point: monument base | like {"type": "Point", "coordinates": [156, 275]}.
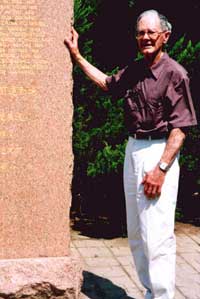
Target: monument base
{"type": "Point", "coordinates": [55, 277]}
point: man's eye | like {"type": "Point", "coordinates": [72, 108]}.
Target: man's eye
{"type": "Point", "coordinates": [141, 33]}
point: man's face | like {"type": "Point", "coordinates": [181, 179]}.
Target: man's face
{"type": "Point", "coordinates": [149, 35]}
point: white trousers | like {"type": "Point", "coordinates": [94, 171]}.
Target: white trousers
{"type": "Point", "coordinates": [150, 223]}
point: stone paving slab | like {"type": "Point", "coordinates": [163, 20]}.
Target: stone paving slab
{"type": "Point", "coordinates": [109, 271]}
{"type": "Point", "coordinates": [98, 262]}
{"type": "Point", "coordinates": [94, 252]}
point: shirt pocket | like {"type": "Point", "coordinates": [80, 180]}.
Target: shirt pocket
{"type": "Point", "coordinates": [153, 112]}
{"type": "Point", "coordinates": [133, 105]}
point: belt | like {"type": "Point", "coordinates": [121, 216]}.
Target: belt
{"type": "Point", "coordinates": [152, 136]}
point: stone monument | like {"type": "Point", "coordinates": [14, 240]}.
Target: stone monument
{"type": "Point", "coordinates": [36, 159]}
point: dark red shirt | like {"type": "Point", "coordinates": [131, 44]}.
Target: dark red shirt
{"type": "Point", "coordinates": [156, 99]}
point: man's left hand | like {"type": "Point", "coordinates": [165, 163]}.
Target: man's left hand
{"type": "Point", "coordinates": [153, 182]}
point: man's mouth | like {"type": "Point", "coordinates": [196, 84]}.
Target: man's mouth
{"type": "Point", "coordinates": [147, 46]}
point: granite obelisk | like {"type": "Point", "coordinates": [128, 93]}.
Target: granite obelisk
{"type": "Point", "coordinates": [36, 159]}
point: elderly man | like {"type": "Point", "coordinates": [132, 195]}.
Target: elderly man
{"type": "Point", "coordinates": [158, 111]}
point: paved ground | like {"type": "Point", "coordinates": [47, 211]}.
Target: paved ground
{"type": "Point", "coordinates": [109, 272]}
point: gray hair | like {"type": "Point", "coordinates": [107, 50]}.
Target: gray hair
{"type": "Point", "coordinates": [164, 23]}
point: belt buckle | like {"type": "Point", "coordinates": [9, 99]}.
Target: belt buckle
{"type": "Point", "coordinates": [147, 137]}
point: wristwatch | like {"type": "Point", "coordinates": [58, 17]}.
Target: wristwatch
{"type": "Point", "coordinates": [163, 166]}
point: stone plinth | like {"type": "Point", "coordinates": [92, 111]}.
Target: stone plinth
{"type": "Point", "coordinates": [36, 160]}
{"type": "Point", "coordinates": [40, 278]}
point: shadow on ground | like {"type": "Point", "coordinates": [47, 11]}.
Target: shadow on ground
{"type": "Point", "coordinates": [99, 227]}
{"type": "Point", "coordinates": [96, 287]}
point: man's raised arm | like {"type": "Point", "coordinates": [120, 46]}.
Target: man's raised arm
{"type": "Point", "coordinates": [98, 77]}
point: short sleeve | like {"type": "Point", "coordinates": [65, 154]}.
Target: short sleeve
{"type": "Point", "coordinates": [125, 78]}
{"type": "Point", "coordinates": [181, 109]}
{"type": "Point", "coordinates": [115, 83]}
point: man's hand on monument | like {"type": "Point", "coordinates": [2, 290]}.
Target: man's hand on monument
{"type": "Point", "coordinates": [97, 76]}
{"type": "Point", "coordinates": [72, 43]}
{"type": "Point", "coordinates": [153, 182]}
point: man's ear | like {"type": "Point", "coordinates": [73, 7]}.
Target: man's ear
{"type": "Point", "coordinates": [166, 36]}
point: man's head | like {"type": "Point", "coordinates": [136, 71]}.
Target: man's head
{"type": "Point", "coordinates": [152, 32]}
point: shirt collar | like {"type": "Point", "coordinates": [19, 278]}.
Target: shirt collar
{"type": "Point", "coordinates": [157, 68]}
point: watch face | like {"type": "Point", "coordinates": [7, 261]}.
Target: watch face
{"type": "Point", "coordinates": [163, 166]}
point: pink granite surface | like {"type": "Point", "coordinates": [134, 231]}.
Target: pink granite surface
{"type": "Point", "coordinates": [40, 278]}
{"type": "Point", "coordinates": [36, 160]}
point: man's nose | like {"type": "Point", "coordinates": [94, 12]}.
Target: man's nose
{"type": "Point", "coordinates": [145, 35]}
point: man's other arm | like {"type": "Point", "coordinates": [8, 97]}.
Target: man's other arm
{"type": "Point", "coordinates": [154, 179]}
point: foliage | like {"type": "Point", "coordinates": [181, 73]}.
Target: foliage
{"type": "Point", "coordinates": [84, 14]}
{"type": "Point", "coordinates": [131, 3]}
{"type": "Point", "coordinates": [107, 160]}
{"type": "Point", "coordinates": [186, 53]}
{"type": "Point", "coordinates": [98, 122]}
{"type": "Point", "coordinates": [189, 192]}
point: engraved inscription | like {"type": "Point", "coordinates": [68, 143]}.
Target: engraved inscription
{"type": "Point", "coordinates": [6, 167]}
{"type": "Point", "coordinates": [16, 90]}
{"type": "Point", "coordinates": [10, 151]}
{"type": "Point", "coordinates": [6, 117]}
{"type": "Point", "coordinates": [5, 134]}
{"type": "Point", "coordinates": [21, 38]}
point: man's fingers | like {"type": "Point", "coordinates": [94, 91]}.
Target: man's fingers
{"type": "Point", "coordinates": [152, 182]}
{"type": "Point", "coordinates": [67, 41]}
{"type": "Point", "coordinates": [151, 191]}
{"type": "Point", "coordinates": [74, 36]}
{"type": "Point", "coordinates": [146, 187]}
{"type": "Point", "coordinates": [72, 39]}
{"type": "Point", "coordinates": [74, 32]}
{"type": "Point", "coordinates": [154, 192]}
{"type": "Point", "coordinates": [148, 190]}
